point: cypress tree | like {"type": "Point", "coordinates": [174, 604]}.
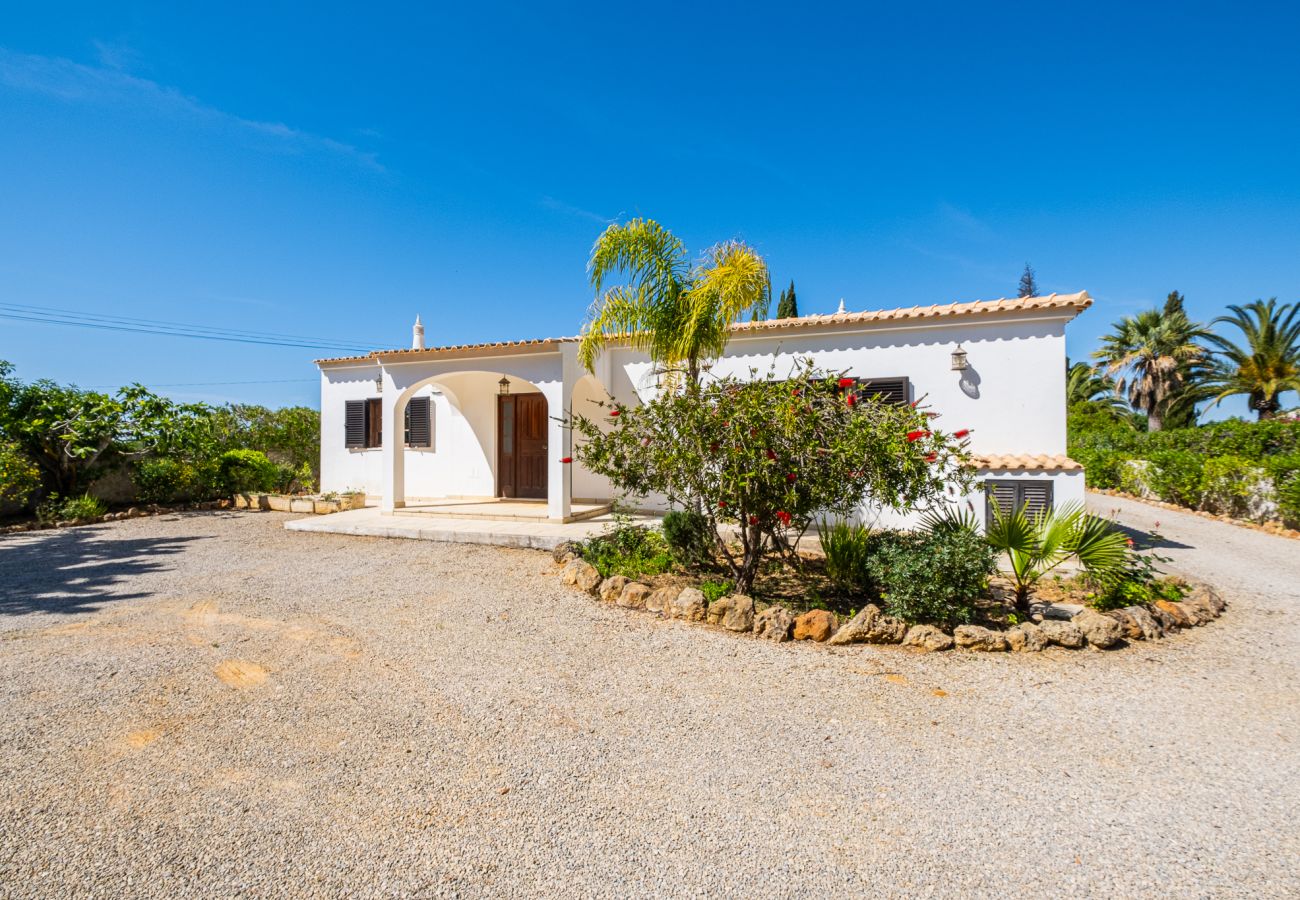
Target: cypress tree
{"type": "Point", "coordinates": [1028, 284]}
{"type": "Point", "coordinates": [788, 308]}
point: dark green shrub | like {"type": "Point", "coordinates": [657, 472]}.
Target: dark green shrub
{"type": "Point", "coordinates": [59, 509]}
{"type": "Point", "coordinates": [932, 577]}
{"type": "Point", "coordinates": [630, 550]}
{"type": "Point", "coordinates": [1138, 581]}
{"type": "Point", "coordinates": [716, 590]}
{"type": "Point", "coordinates": [845, 545]}
{"type": "Point", "coordinates": [247, 471]}
{"type": "Point", "coordinates": [167, 480]}
{"type": "Point", "coordinates": [1176, 476]}
{"type": "Point", "coordinates": [689, 536]}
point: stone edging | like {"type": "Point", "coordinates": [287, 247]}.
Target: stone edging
{"type": "Point", "coordinates": [1274, 527]}
{"type": "Point", "coordinates": [135, 512]}
{"type": "Point", "coordinates": [1054, 624]}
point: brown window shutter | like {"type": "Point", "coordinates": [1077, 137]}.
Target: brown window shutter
{"type": "Point", "coordinates": [1036, 497]}
{"type": "Point", "coordinates": [419, 422]}
{"type": "Point", "coordinates": [354, 424]}
{"type": "Point", "coordinates": [374, 422]}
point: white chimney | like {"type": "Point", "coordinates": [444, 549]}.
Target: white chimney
{"type": "Point", "coordinates": [417, 335]}
{"type": "Point", "coordinates": [841, 309]}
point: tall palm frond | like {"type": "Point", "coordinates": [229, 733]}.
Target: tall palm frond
{"type": "Point", "coordinates": [679, 314]}
{"type": "Point", "coordinates": [1156, 355]}
{"type": "Point", "coordinates": [1267, 364]}
{"type": "Point", "coordinates": [1084, 384]}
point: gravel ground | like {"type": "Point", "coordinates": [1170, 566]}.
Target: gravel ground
{"type": "Point", "coordinates": [208, 705]}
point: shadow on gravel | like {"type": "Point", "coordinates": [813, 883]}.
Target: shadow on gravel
{"type": "Point", "coordinates": [1145, 540]}
{"type": "Point", "coordinates": [76, 569]}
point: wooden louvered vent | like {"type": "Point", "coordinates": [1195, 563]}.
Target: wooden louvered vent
{"type": "Point", "coordinates": [890, 390]}
{"type": "Point", "coordinates": [419, 422]}
{"type": "Point", "coordinates": [1008, 496]}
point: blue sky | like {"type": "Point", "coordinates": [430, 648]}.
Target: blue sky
{"type": "Point", "coordinates": [332, 174]}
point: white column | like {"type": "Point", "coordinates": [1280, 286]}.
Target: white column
{"type": "Point", "coordinates": [559, 438]}
{"type": "Point", "coordinates": [393, 450]}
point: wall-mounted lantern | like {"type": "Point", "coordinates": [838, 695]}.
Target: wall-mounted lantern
{"type": "Point", "coordinates": [379, 383]}
{"type": "Point", "coordinates": [503, 386]}
{"type": "Point", "coordinates": [959, 363]}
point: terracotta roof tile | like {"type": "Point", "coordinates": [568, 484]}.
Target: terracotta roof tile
{"type": "Point", "coordinates": [1026, 461]}
{"type": "Point", "coordinates": [1075, 302]}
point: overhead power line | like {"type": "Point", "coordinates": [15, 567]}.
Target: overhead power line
{"type": "Point", "coordinates": [53, 316]}
{"type": "Point", "coordinates": [211, 383]}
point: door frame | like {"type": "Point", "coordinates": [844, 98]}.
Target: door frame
{"type": "Point", "coordinates": [507, 475]}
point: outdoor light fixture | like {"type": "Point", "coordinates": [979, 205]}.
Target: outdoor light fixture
{"type": "Point", "coordinates": [503, 386]}
{"type": "Point", "coordinates": [959, 359]}
{"type": "Point", "coordinates": [379, 383]}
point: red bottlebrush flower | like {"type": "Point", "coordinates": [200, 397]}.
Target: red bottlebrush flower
{"type": "Point", "coordinates": [1129, 542]}
{"type": "Point", "coordinates": [753, 520]}
{"type": "Point", "coordinates": [851, 399]}
{"type": "Point", "coordinates": [726, 424]}
{"type": "Point", "coordinates": [713, 448]}
{"type": "Point", "coordinates": [794, 393]}
{"type": "Point", "coordinates": [854, 474]}
{"type": "Point", "coordinates": [913, 436]}
{"type": "Point", "coordinates": [566, 459]}
{"type": "Point", "coordinates": [722, 504]}
{"type": "Point", "coordinates": [932, 415]}
{"type": "Point", "coordinates": [783, 516]}
{"type": "Point", "coordinates": [771, 454]}
{"type": "Point", "coordinates": [846, 382]}
{"type": "Point", "coordinates": [961, 434]}
{"type": "Point", "coordinates": [931, 457]}
{"type": "Point", "coordinates": [615, 412]}
{"type": "Point", "coordinates": [913, 403]}
{"type": "Point", "coordinates": [791, 477]}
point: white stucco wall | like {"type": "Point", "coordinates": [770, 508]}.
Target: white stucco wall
{"type": "Point", "coordinates": [1011, 396]}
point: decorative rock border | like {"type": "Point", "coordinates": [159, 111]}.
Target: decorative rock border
{"type": "Point", "coordinates": [300, 504]}
{"type": "Point", "coordinates": [135, 512]}
{"type": "Point", "coordinates": [1052, 624]}
{"type": "Point", "coordinates": [1267, 527]}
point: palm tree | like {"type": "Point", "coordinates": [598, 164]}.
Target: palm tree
{"type": "Point", "coordinates": [1268, 364]}
{"type": "Point", "coordinates": [1036, 545]}
{"type": "Point", "coordinates": [1084, 384]}
{"type": "Point", "coordinates": [1158, 359]}
{"type": "Point", "coordinates": [681, 314]}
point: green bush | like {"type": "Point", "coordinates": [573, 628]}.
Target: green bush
{"type": "Point", "coordinates": [1176, 476]}
{"type": "Point", "coordinates": [59, 509]}
{"type": "Point", "coordinates": [1138, 581]}
{"type": "Point", "coordinates": [845, 545]}
{"type": "Point", "coordinates": [1103, 467]}
{"type": "Point", "coordinates": [689, 536]}
{"type": "Point", "coordinates": [247, 471]}
{"type": "Point", "coordinates": [1229, 484]}
{"type": "Point", "coordinates": [168, 480]}
{"type": "Point", "coordinates": [630, 550]}
{"type": "Point", "coordinates": [716, 590]}
{"type": "Point", "coordinates": [932, 577]}
{"type": "Point", "coordinates": [19, 477]}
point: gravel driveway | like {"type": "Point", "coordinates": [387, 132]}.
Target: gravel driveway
{"type": "Point", "coordinates": [209, 705]}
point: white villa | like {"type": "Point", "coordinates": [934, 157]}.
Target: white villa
{"type": "Point", "coordinates": [430, 426]}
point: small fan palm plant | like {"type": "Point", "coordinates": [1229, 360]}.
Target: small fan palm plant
{"type": "Point", "coordinates": [680, 314]}
{"type": "Point", "coordinates": [1038, 544]}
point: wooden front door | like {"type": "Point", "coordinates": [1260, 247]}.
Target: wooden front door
{"type": "Point", "coordinates": [521, 446]}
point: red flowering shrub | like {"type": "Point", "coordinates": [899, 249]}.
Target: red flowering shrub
{"type": "Point", "coordinates": [771, 467]}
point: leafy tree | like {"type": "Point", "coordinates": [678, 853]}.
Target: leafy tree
{"type": "Point", "coordinates": [680, 313]}
{"type": "Point", "coordinates": [767, 456]}
{"type": "Point", "coordinates": [1267, 364]}
{"type": "Point", "coordinates": [788, 308]}
{"type": "Point", "coordinates": [19, 477]}
{"type": "Point", "coordinates": [1158, 359]}
{"type": "Point", "coordinates": [1028, 283]}
{"type": "Point", "coordinates": [1175, 303]}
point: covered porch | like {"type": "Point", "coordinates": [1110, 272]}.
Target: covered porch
{"type": "Point", "coordinates": [498, 446]}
